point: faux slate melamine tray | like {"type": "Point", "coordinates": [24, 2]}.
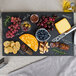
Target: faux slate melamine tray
{"type": "Point", "coordinates": [69, 39]}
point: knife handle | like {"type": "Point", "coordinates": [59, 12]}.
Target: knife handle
{"type": "Point", "coordinates": [75, 38]}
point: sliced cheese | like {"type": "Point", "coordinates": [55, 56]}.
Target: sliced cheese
{"type": "Point", "coordinates": [63, 26]}
{"type": "Point", "coordinates": [30, 40]}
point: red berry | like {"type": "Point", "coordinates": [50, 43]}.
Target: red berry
{"type": "Point", "coordinates": [43, 17]}
{"type": "Point", "coordinates": [42, 24]}
{"type": "Point", "coordinates": [16, 25]}
{"type": "Point", "coordinates": [12, 18]}
{"type": "Point", "coordinates": [20, 20]}
{"type": "Point", "coordinates": [8, 32]}
{"type": "Point", "coordinates": [12, 36]}
{"type": "Point", "coordinates": [13, 26]}
{"type": "Point", "coordinates": [9, 27]}
{"type": "Point", "coordinates": [53, 19]}
{"type": "Point", "coordinates": [13, 32]}
{"type": "Point", "coordinates": [45, 26]}
{"type": "Point", "coordinates": [50, 19]}
{"type": "Point", "coordinates": [14, 22]}
{"type": "Point", "coordinates": [18, 28]}
{"type": "Point", "coordinates": [46, 20]}
{"type": "Point", "coordinates": [7, 35]}
{"type": "Point", "coordinates": [15, 18]}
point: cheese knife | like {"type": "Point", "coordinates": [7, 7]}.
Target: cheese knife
{"type": "Point", "coordinates": [59, 37]}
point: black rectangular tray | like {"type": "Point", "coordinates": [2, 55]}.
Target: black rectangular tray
{"type": "Point", "coordinates": [69, 39]}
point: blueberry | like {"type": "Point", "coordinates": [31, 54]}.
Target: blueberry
{"type": "Point", "coordinates": [42, 35]}
{"type": "Point", "coordinates": [38, 33]}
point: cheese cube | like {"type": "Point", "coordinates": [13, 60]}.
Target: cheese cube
{"type": "Point", "coordinates": [62, 26]}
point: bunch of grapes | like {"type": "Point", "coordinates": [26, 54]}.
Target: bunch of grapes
{"type": "Point", "coordinates": [14, 27]}
{"type": "Point", "coordinates": [47, 22]}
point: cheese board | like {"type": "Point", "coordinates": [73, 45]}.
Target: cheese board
{"type": "Point", "coordinates": [31, 33]}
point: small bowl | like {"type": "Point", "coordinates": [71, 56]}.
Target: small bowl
{"type": "Point", "coordinates": [35, 16]}
{"type": "Point", "coordinates": [47, 33]}
{"type": "Point", "coordinates": [25, 26]}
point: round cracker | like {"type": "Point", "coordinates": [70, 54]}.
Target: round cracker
{"type": "Point", "coordinates": [12, 44]}
{"type": "Point", "coordinates": [12, 41]}
{"type": "Point", "coordinates": [7, 43]}
{"type": "Point", "coordinates": [10, 49]}
{"type": "Point", "coordinates": [14, 51]}
{"type": "Point", "coordinates": [6, 50]}
{"type": "Point", "coordinates": [17, 45]}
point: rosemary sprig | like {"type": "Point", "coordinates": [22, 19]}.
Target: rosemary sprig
{"type": "Point", "coordinates": [57, 51]}
{"type": "Point", "coordinates": [7, 20]}
{"type": "Point", "coordinates": [66, 41]}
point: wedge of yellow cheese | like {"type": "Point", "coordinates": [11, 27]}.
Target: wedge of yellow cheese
{"type": "Point", "coordinates": [62, 26]}
{"type": "Point", "coordinates": [30, 40]}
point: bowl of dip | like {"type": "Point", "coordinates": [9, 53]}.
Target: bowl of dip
{"type": "Point", "coordinates": [34, 18]}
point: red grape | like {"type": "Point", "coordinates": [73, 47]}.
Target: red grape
{"type": "Point", "coordinates": [47, 22]}
{"type": "Point", "coordinates": [43, 17]}
{"type": "Point", "coordinates": [53, 19]}
{"type": "Point", "coordinates": [50, 19]}
{"type": "Point", "coordinates": [14, 27]}
{"type": "Point", "coordinates": [45, 26]}
{"type": "Point", "coordinates": [18, 28]}
{"type": "Point", "coordinates": [42, 24]}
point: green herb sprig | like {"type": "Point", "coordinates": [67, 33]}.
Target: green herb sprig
{"type": "Point", "coordinates": [7, 20]}
{"type": "Point", "coordinates": [57, 51]}
{"type": "Point", "coordinates": [66, 41]}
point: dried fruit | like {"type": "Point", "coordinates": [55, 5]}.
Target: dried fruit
{"type": "Point", "coordinates": [25, 26]}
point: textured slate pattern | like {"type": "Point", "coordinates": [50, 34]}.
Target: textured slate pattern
{"type": "Point", "coordinates": [69, 38]}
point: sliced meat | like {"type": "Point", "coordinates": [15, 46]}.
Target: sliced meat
{"type": "Point", "coordinates": [62, 46]}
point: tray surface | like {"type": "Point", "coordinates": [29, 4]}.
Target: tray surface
{"type": "Point", "coordinates": [69, 39]}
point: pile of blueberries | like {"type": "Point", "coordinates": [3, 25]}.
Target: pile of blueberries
{"type": "Point", "coordinates": [42, 35]}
